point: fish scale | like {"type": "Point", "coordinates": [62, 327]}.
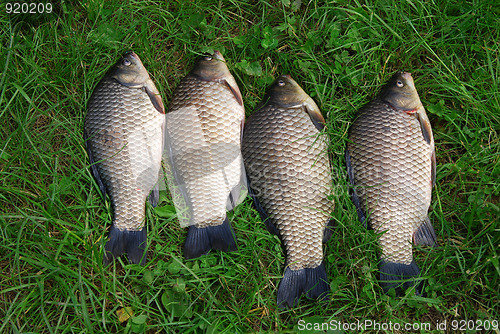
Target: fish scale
{"type": "Point", "coordinates": [123, 133]}
{"type": "Point", "coordinates": [118, 132]}
{"type": "Point", "coordinates": [218, 127]}
{"type": "Point", "coordinates": [204, 165]}
{"type": "Point", "coordinates": [287, 164]}
{"type": "Point", "coordinates": [390, 160]}
{"type": "Point", "coordinates": [404, 170]}
{"type": "Point", "coordinates": [292, 189]}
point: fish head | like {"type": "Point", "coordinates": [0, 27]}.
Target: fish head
{"type": "Point", "coordinates": [129, 71]}
{"type": "Point", "coordinates": [286, 92]}
{"type": "Point", "coordinates": [400, 92]}
{"type": "Point", "coordinates": [211, 68]}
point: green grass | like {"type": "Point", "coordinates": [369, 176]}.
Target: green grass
{"type": "Point", "coordinates": [53, 221]}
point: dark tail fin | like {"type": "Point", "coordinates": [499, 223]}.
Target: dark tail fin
{"type": "Point", "coordinates": [200, 241]}
{"type": "Point", "coordinates": [400, 277]}
{"type": "Point", "coordinates": [309, 281]}
{"type": "Point", "coordinates": [124, 241]}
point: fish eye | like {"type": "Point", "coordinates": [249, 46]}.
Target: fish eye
{"type": "Point", "coordinates": [126, 62]}
{"type": "Point", "coordinates": [281, 83]}
{"type": "Point", "coordinates": [399, 83]}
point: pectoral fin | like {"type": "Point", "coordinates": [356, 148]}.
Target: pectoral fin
{"type": "Point", "coordinates": [236, 92]}
{"type": "Point", "coordinates": [425, 126]}
{"type": "Point", "coordinates": [154, 96]}
{"type": "Point", "coordinates": [315, 114]}
{"type": "Point", "coordinates": [242, 128]}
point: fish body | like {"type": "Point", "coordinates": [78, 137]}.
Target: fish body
{"type": "Point", "coordinates": [391, 161]}
{"type": "Point", "coordinates": [123, 133]}
{"type": "Point", "coordinates": [203, 141]}
{"type": "Point", "coordinates": [289, 176]}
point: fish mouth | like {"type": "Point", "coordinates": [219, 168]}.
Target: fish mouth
{"type": "Point", "coordinates": [217, 55]}
{"type": "Point", "coordinates": [133, 54]}
{"type": "Point", "coordinates": [409, 79]}
{"type": "Point", "coordinates": [406, 75]}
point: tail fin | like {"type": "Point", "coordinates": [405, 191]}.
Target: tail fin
{"type": "Point", "coordinates": [200, 241]}
{"type": "Point", "coordinates": [124, 241]}
{"type": "Point", "coordinates": [400, 277]}
{"type": "Point", "coordinates": [309, 281]}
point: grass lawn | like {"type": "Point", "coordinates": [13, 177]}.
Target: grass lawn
{"type": "Point", "coordinates": [53, 221]}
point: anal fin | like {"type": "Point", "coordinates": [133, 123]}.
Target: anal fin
{"type": "Point", "coordinates": [425, 234]}
{"type": "Point", "coordinates": [328, 230]}
{"type": "Point", "coordinates": [154, 196]}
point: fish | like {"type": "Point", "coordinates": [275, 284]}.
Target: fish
{"type": "Point", "coordinates": [288, 168]}
{"type": "Point", "coordinates": [204, 165]}
{"type": "Point", "coordinates": [391, 162]}
{"type": "Point", "coordinates": [123, 133]}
